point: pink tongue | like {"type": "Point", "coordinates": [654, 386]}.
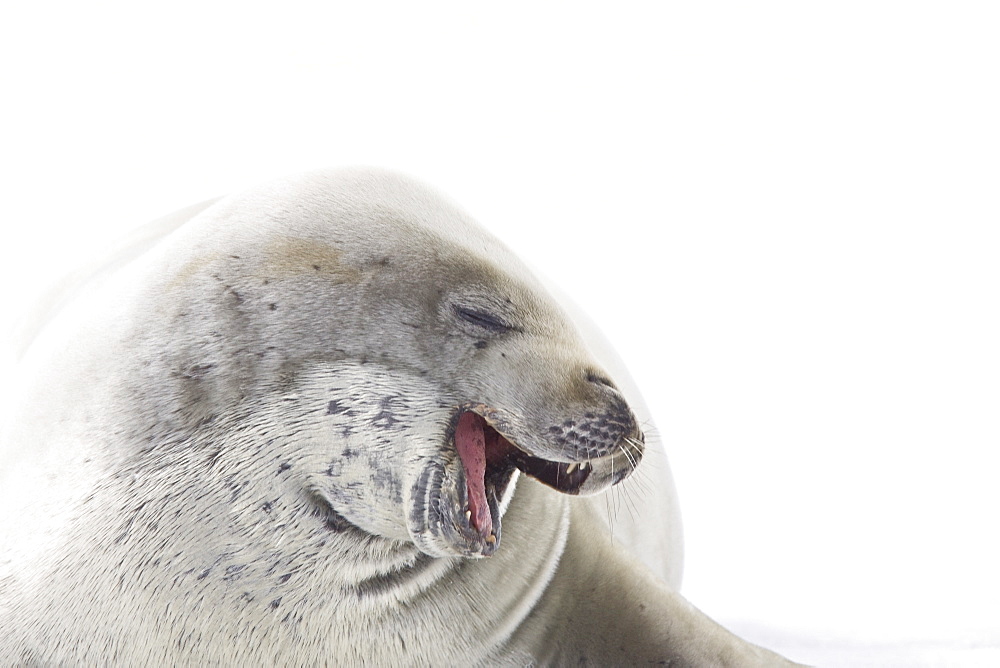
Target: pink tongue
{"type": "Point", "coordinates": [471, 443]}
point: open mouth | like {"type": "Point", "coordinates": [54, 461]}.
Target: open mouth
{"type": "Point", "coordinates": [488, 461]}
{"type": "Point", "coordinates": [458, 504]}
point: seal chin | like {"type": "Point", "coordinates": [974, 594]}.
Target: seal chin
{"type": "Point", "coordinates": [459, 512]}
{"type": "Point", "coordinates": [442, 520]}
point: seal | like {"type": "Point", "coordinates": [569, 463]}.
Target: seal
{"type": "Point", "coordinates": [332, 420]}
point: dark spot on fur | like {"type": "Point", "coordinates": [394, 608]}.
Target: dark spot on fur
{"type": "Point", "coordinates": [348, 453]}
{"type": "Point", "coordinates": [236, 296]}
{"type": "Point", "coordinates": [275, 603]}
{"type": "Point", "coordinates": [385, 480]}
{"type": "Point", "coordinates": [233, 572]}
{"type": "Point", "coordinates": [333, 469]}
{"type": "Point", "coordinates": [346, 431]}
{"type": "Point", "coordinates": [235, 257]}
{"type": "Point", "coordinates": [266, 507]}
{"type": "Point", "coordinates": [284, 467]}
{"type": "Point", "coordinates": [284, 578]}
{"type": "Point", "coordinates": [273, 307]}
{"type": "Point", "coordinates": [480, 344]}
{"type": "Point", "coordinates": [336, 408]}
{"type": "Point", "coordinates": [196, 371]}
{"type": "Point", "coordinates": [204, 573]}
{"type": "Point", "coordinates": [316, 267]}
{"type": "Point", "coordinates": [386, 418]}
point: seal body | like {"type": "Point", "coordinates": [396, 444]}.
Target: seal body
{"type": "Point", "coordinates": [334, 421]}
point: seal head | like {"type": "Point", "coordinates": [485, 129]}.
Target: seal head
{"type": "Point", "coordinates": [425, 364]}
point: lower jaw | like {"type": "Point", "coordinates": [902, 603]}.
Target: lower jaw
{"type": "Point", "coordinates": [482, 542]}
{"type": "Point", "coordinates": [445, 529]}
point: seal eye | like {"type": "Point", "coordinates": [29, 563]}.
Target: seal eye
{"type": "Point", "coordinates": [482, 319]}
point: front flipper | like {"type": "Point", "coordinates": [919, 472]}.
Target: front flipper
{"type": "Point", "coordinates": [604, 608]}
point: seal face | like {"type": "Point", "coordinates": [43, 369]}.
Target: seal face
{"type": "Point", "coordinates": [433, 351]}
{"type": "Point", "coordinates": [458, 383]}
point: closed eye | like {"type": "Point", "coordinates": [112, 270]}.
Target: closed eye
{"type": "Point", "coordinates": [482, 319]}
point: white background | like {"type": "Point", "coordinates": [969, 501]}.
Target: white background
{"type": "Point", "coordinates": [784, 215]}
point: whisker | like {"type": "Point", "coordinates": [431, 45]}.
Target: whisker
{"type": "Point", "coordinates": [628, 455]}
{"type": "Point", "coordinates": [611, 518]}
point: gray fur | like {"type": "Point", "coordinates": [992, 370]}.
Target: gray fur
{"type": "Point", "coordinates": [234, 449]}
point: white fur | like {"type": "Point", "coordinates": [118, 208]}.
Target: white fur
{"type": "Point", "coordinates": [218, 446]}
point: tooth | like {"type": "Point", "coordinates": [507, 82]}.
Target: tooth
{"type": "Point", "coordinates": [492, 538]}
{"type": "Point", "coordinates": [468, 515]}
{"type": "Point", "coordinates": [571, 468]}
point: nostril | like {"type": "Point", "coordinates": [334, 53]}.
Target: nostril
{"type": "Point", "coordinates": [600, 379]}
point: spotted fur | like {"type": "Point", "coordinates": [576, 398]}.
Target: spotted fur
{"type": "Point", "coordinates": [232, 449]}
